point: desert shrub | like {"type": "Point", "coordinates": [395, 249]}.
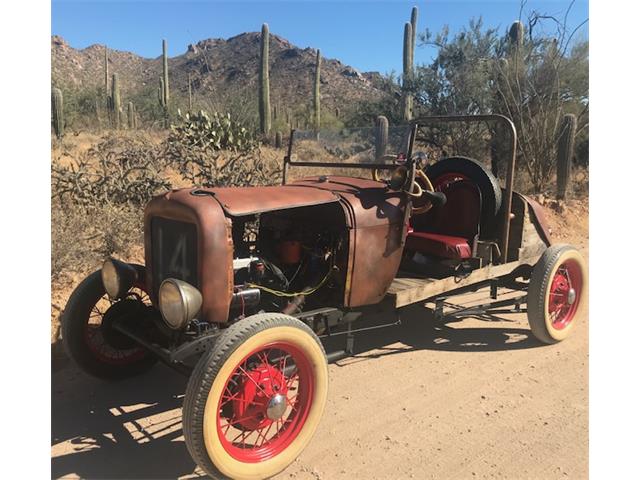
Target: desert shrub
{"type": "Point", "coordinates": [82, 236]}
{"type": "Point", "coordinates": [118, 170]}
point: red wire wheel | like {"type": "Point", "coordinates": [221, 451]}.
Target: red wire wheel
{"type": "Point", "coordinates": [262, 408]}
{"type": "Point", "coordinates": [89, 339]}
{"type": "Point", "coordinates": [254, 401]}
{"type": "Point", "coordinates": [556, 293]}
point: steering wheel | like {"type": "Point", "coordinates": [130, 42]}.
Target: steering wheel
{"type": "Point", "coordinates": [376, 171]}
{"type": "Point", "coordinates": [421, 188]}
{"type": "Point", "coordinates": [423, 183]}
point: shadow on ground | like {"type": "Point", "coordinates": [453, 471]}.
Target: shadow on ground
{"type": "Point", "coordinates": [108, 426]}
{"type": "Point", "coordinates": [132, 428]}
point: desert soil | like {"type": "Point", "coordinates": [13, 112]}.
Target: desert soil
{"type": "Point", "coordinates": [475, 399]}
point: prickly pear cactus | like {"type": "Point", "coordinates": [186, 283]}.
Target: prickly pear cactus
{"type": "Point", "coordinates": [382, 136]}
{"type": "Point", "coordinates": [211, 132]}
{"type": "Point", "coordinates": [57, 112]}
{"type": "Point", "coordinates": [566, 142]}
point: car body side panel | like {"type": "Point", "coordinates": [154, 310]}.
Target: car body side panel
{"type": "Point", "coordinates": [215, 247]}
{"type": "Point", "coordinates": [377, 235]}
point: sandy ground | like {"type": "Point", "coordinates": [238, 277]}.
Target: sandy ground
{"type": "Point", "coordinates": [474, 399]}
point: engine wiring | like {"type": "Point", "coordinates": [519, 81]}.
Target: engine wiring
{"type": "Point", "coordinates": [279, 293]}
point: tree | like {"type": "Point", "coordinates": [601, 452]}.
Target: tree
{"type": "Point", "coordinates": [527, 75]}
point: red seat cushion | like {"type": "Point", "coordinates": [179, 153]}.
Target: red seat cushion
{"type": "Point", "coordinates": [444, 246]}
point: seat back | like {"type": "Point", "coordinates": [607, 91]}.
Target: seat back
{"type": "Point", "coordinates": [458, 217]}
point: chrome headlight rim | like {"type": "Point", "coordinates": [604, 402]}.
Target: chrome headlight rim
{"type": "Point", "coordinates": [117, 277]}
{"type": "Point", "coordinates": [185, 305]}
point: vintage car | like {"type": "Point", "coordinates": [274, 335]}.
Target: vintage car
{"type": "Point", "coordinates": [241, 286]}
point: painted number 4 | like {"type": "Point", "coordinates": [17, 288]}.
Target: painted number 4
{"type": "Point", "coordinates": [178, 262]}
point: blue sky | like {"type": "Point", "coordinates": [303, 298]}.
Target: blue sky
{"type": "Point", "coordinates": [364, 34]}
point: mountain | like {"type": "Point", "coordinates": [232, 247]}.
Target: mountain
{"type": "Point", "coordinates": [220, 70]}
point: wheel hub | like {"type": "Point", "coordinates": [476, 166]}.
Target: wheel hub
{"type": "Point", "coordinates": [564, 295]}
{"type": "Point", "coordinates": [276, 406]}
{"type": "Point", "coordinates": [571, 296]}
{"type": "Point", "coordinates": [261, 398]}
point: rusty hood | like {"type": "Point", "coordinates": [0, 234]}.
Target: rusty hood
{"type": "Point", "coordinates": [241, 201]}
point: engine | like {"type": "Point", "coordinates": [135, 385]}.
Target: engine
{"type": "Point", "coordinates": [286, 260]}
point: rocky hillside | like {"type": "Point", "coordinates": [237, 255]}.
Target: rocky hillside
{"type": "Point", "coordinates": [220, 69]}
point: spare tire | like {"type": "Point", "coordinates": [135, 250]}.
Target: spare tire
{"type": "Point", "coordinates": [452, 168]}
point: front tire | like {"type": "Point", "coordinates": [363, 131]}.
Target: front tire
{"type": "Point", "coordinates": [255, 400]}
{"type": "Point", "coordinates": [556, 294]}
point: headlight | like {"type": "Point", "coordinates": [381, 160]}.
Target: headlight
{"type": "Point", "coordinates": [117, 277]}
{"type": "Point", "coordinates": [179, 302]}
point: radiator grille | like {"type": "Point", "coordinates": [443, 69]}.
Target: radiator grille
{"type": "Point", "coordinates": [174, 251]}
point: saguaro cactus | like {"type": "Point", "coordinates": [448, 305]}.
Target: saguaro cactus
{"type": "Point", "coordinates": [278, 139]}
{"type": "Point", "coordinates": [566, 142]}
{"type": "Point", "coordinates": [190, 96]}
{"type": "Point", "coordinates": [165, 72]}
{"type": "Point", "coordinates": [316, 93]}
{"type": "Point", "coordinates": [516, 33]}
{"type": "Point", "coordinates": [131, 116]}
{"type": "Point", "coordinates": [414, 32]}
{"type": "Point", "coordinates": [407, 72]}
{"type": "Point", "coordinates": [106, 71]}
{"type": "Point", "coordinates": [164, 84]}
{"type": "Point", "coordinates": [263, 88]}
{"type": "Point", "coordinates": [382, 135]}
{"type": "Point", "coordinates": [115, 101]}
{"type": "Point", "coordinates": [57, 112]}
{"type": "Point", "coordinates": [161, 100]}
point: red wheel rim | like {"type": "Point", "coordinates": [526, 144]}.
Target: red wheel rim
{"type": "Point", "coordinates": [96, 342]}
{"type": "Point", "coordinates": [251, 426]}
{"type": "Point", "coordinates": [445, 179]}
{"type": "Point", "coordinates": [564, 294]}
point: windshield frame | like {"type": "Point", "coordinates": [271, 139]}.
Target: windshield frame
{"type": "Point", "coordinates": [362, 166]}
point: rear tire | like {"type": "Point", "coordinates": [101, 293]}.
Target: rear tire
{"type": "Point", "coordinates": [234, 396]}
{"type": "Point", "coordinates": [556, 295]}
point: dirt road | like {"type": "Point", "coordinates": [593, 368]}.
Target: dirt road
{"type": "Point", "coordinates": [475, 399]}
